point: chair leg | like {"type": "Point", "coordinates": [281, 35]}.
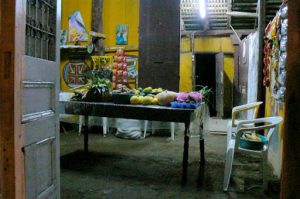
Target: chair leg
{"type": "Point", "coordinates": [104, 124]}
{"type": "Point", "coordinates": [145, 127]}
{"type": "Point", "coordinates": [229, 132]}
{"type": "Point", "coordinates": [81, 121]}
{"type": "Point", "coordinates": [264, 169]}
{"type": "Point", "coordinates": [173, 130]}
{"type": "Point", "coordinates": [228, 168]}
{"type": "Point", "coordinates": [152, 130]}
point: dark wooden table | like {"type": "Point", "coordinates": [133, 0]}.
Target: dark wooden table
{"type": "Point", "coordinates": [140, 112]}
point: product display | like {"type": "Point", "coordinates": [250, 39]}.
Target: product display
{"type": "Point", "coordinates": [120, 71]}
{"type": "Point", "coordinates": [275, 53]}
{"type": "Point", "coordinates": [102, 66]}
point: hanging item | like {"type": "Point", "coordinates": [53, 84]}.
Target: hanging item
{"type": "Point", "coordinates": [74, 74]}
{"type": "Point", "coordinates": [275, 54]}
{"type": "Point", "coordinates": [270, 50]}
{"type": "Point", "coordinates": [121, 34]}
{"type": "Point", "coordinates": [63, 37]}
{"type": "Point", "coordinates": [281, 72]}
{"type": "Point", "coordinates": [77, 30]}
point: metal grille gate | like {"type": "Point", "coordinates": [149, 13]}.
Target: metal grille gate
{"type": "Point", "coordinates": [41, 29]}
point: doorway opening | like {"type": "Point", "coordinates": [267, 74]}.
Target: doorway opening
{"type": "Point", "coordinates": [205, 75]}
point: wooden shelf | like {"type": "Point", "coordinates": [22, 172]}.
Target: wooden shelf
{"type": "Point", "coordinates": [74, 51]}
{"type": "Point", "coordinates": [73, 47]}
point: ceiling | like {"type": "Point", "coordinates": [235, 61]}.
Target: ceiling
{"type": "Point", "coordinates": [217, 17]}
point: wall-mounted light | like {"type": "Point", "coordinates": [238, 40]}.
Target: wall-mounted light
{"type": "Point", "coordinates": [202, 8]}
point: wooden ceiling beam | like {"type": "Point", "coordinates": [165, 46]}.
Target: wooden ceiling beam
{"type": "Point", "coordinates": [242, 14]}
{"type": "Point", "coordinates": [216, 32]}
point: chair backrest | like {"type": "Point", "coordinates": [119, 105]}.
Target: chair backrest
{"type": "Point", "coordinates": [246, 107]}
{"type": "Point", "coordinates": [269, 125]}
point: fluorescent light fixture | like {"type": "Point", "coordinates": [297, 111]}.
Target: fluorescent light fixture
{"type": "Point", "coordinates": [202, 8]}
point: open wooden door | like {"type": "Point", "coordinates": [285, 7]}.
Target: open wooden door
{"type": "Point", "coordinates": [223, 85]}
{"type": "Point", "coordinates": [40, 97]}
{"type": "Point", "coordinates": [243, 72]}
{"type": "Point", "coordinates": [220, 84]}
{"type": "Point", "coordinates": [29, 75]}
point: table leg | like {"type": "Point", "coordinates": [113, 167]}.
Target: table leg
{"type": "Point", "coordinates": [201, 146]}
{"type": "Point", "coordinates": [86, 134]}
{"type": "Point", "coordinates": [202, 158]}
{"type": "Point", "coordinates": [185, 154]}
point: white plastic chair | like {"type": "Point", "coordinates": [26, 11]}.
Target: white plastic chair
{"type": "Point", "coordinates": [251, 108]}
{"type": "Point", "coordinates": [234, 144]}
{"type": "Point", "coordinates": [104, 125]}
{"type": "Point", "coordinates": [172, 129]}
{"type": "Point", "coordinates": [66, 96]}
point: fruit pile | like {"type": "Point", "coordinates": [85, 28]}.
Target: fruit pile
{"type": "Point", "coordinates": [144, 100]}
{"type": "Point", "coordinates": [189, 100]}
{"type": "Point", "coordinates": [125, 90]}
{"type": "Point", "coordinates": [151, 90]}
{"type": "Point", "coordinates": [145, 96]}
{"type": "Point", "coordinates": [96, 90]}
{"type": "Point", "coordinates": [150, 96]}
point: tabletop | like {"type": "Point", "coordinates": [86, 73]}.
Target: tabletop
{"type": "Point", "coordinates": [142, 112]}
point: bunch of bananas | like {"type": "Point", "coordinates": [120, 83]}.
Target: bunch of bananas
{"type": "Point", "coordinates": [252, 136]}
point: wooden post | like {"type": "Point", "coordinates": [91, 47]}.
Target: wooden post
{"type": "Point", "coordinates": [261, 29]}
{"type": "Point", "coordinates": [290, 183]}
{"type": "Point", "coordinates": [236, 44]}
{"type": "Point", "coordinates": [97, 7]}
{"type": "Point", "coordinates": [12, 42]}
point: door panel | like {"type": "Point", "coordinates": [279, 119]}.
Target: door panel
{"type": "Point", "coordinates": [40, 163]}
{"type": "Point", "coordinates": [220, 84]}
{"type": "Point", "coordinates": [40, 92]}
{"type": "Point", "coordinates": [37, 130]}
{"type": "Point", "coordinates": [228, 85]}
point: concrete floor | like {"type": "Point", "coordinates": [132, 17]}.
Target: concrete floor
{"type": "Point", "coordinates": [151, 168]}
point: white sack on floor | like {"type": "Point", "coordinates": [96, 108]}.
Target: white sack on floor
{"type": "Point", "coordinates": [129, 129]}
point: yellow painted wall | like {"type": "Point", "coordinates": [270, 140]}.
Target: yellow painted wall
{"type": "Point", "coordinates": [185, 84]}
{"type": "Point", "coordinates": [229, 67]}
{"type": "Point", "coordinates": [120, 12]}
{"type": "Point", "coordinates": [185, 44]}
{"type": "Point", "coordinates": [203, 44]}
{"type": "Point", "coordinates": [70, 6]}
{"type": "Point", "coordinates": [123, 12]}
{"type": "Point", "coordinates": [213, 44]}
{"type": "Point", "coordinates": [226, 45]}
